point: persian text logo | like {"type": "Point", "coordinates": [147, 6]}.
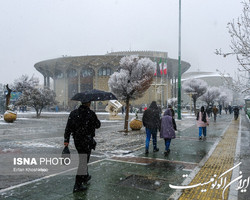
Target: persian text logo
{"type": "Point", "coordinates": [220, 182]}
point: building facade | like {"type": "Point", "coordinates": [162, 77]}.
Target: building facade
{"type": "Point", "coordinates": [71, 75]}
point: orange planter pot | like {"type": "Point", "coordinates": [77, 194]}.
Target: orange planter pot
{"type": "Point", "coordinates": [9, 116]}
{"type": "Point", "coordinates": [136, 124]}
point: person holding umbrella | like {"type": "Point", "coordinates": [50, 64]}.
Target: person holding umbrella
{"type": "Point", "coordinates": [82, 123]}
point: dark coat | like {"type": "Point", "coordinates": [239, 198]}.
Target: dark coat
{"type": "Point", "coordinates": [82, 123]}
{"type": "Point", "coordinates": [151, 117]}
{"type": "Point", "coordinates": [168, 125]}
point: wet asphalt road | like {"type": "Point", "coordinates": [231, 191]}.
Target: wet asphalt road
{"type": "Point", "coordinates": [44, 136]}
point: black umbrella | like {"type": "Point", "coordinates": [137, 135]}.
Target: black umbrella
{"type": "Point", "coordinates": [93, 95]}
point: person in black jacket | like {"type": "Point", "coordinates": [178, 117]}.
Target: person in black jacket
{"type": "Point", "coordinates": [82, 123]}
{"type": "Point", "coordinates": [151, 120]}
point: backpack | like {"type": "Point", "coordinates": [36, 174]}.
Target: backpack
{"type": "Point", "coordinates": [204, 119]}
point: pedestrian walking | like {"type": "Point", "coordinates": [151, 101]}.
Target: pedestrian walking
{"type": "Point", "coordinates": [215, 111]}
{"type": "Point", "coordinates": [151, 121]}
{"type": "Point", "coordinates": [209, 110]}
{"type": "Point", "coordinates": [236, 111]}
{"type": "Point", "coordinates": [226, 109]}
{"type": "Point", "coordinates": [172, 111]}
{"type": "Point", "coordinates": [168, 128]}
{"type": "Point", "coordinates": [230, 109]}
{"type": "Point", "coordinates": [123, 109]}
{"type": "Point", "coordinates": [82, 123]}
{"type": "Point", "coordinates": [202, 122]}
{"type": "Point", "coordinates": [220, 109]}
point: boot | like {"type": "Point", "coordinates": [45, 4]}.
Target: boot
{"type": "Point", "coordinates": [86, 179]}
{"type": "Point", "coordinates": [166, 152]}
{"type": "Point", "coordinates": [79, 188]}
{"type": "Point", "coordinates": [156, 149]}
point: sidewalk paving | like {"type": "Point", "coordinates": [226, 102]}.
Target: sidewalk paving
{"type": "Point", "coordinates": [140, 176]}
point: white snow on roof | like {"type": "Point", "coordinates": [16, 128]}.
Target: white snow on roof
{"type": "Point", "coordinates": [191, 75]}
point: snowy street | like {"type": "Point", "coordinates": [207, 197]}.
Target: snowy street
{"type": "Point", "coordinates": [119, 160]}
{"type": "Point", "coordinates": [45, 136]}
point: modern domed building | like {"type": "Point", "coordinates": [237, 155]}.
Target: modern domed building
{"type": "Point", "coordinates": [212, 78]}
{"type": "Point", "coordinates": [71, 75]}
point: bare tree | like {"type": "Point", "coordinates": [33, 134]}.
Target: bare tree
{"type": "Point", "coordinates": [225, 97]}
{"type": "Point", "coordinates": [239, 31]}
{"type": "Point", "coordinates": [241, 84]}
{"type": "Point", "coordinates": [211, 95]}
{"type": "Point", "coordinates": [172, 101]}
{"type": "Point", "coordinates": [38, 98]}
{"type": "Point", "coordinates": [133, 79]}
{"type": "Point", "coordinates": [8, 97]}
{"type": "Point", "coordinates": [196, 87]}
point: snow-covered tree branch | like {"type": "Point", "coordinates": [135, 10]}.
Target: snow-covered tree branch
{"type": "Point", "coordinates": [239, 31]}
{"type": "Point", "coordinates": [240, 84]}
{"type": "Point", "coordinates": [196, 88]}
{"type": "Point", "coordinates": [132, 80]}
{"type": "Point", "coordinates": [38, 98]}
{"type": "Point", "coordinates": [211, 95]}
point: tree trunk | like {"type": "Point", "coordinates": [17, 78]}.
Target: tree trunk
{"type": "Point", "coordinates": [195, 107]}
{"type": "Point", "coordinates": [37, 113]}
{"type": "Point", "coordinates": [126, 116]}
{"type": "Point", "coordinates": [8, 97]}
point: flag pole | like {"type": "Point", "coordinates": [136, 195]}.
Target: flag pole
{"type": "Point", "coordinates": [156, 82]}
{"type": "Point", "coordinates": [162, 63]}
{"type": "Point", "coordinates": [179, 66]}
{"type": "Point", "coordinates": [167, 88]}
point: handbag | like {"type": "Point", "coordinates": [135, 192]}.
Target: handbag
{"type": "Point", "coordinates": [93, 144]}
{"type": "Point", "coordinates": [65, 154]}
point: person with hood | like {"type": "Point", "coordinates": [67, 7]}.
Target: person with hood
{"type": "Point", "coordinates": [172, 111]}
{"type": "Point", "coordinates": [151, 121]}
{"type": "Point", "coordinates": [82, 123]}
{"type": "Point", "coordinates": [215, 111]}
{"type": "Point", "coordinates": [202, 122]}
{"type": "Point", "coordinates": [236, 112]}
{"type": "Point", "coordinates": [168, 128]}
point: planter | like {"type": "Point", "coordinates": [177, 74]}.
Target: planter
{"type": "Point", "coordinates": [135, 124]}
{"type": "Point", "coordinates": [9, 116]}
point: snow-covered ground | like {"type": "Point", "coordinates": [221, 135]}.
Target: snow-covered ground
{"type": "Point", "coordinates": [45, 136]}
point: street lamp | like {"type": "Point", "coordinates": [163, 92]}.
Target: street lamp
{"type": "Point", "coordinates": [179, 66]}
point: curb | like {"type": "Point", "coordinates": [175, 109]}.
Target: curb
{"type": "Point", "coordinates": [233, 194]}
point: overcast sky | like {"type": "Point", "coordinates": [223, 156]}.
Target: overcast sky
{"type": "Point", "coordinates": [36, 30]}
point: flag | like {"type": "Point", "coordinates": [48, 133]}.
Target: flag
{"type": "Point", "coordinates": [155, 68]}
{"type": "Point", "coordinates": [165, 67]}
{"type": "Point", "coordinates": [160, 66]}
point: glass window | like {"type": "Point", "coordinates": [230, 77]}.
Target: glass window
{"type": "Point", "coordinates": [72, 73]}
{"type": "Point", "coordinates": [58, 74]}
{"type": "Point", "coordinates": [104, 71]}
{"type": "Point", "coordinates": [108, 71]}
{"type": "Point", "coordinates": [87, 72]}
